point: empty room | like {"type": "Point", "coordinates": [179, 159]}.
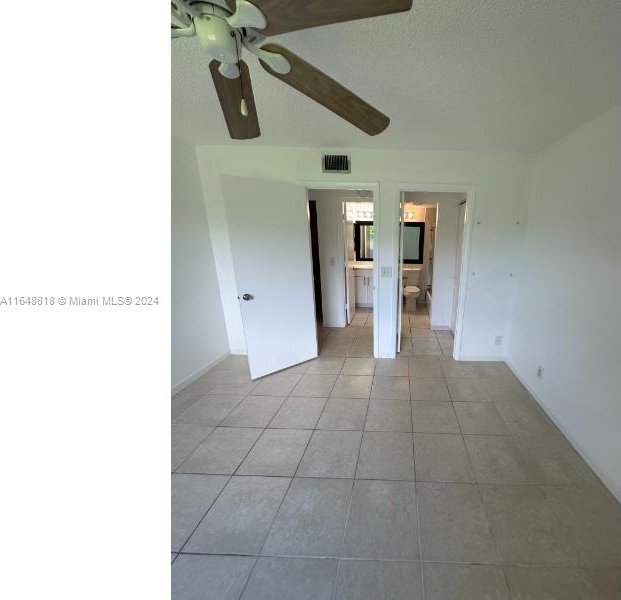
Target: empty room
{"type": "Point", "coordinates": [395, 300]}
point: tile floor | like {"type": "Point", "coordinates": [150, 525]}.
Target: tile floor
{"type": "Point", "coordinates": [353, 478]}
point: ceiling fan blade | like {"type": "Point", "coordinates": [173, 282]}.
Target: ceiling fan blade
{"type": "Point", "coordinates": [309, 80]}
{"type": "Point", "coordinates": [230, 96]}
{"type": "Point", "coordinates": [290, 15]}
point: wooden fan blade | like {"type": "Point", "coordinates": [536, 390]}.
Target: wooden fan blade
{"type": "Point", "coordinates": [309, 80]}
{"type": "Point", "coordinates": [290, 15]}
{"type": "Point", "coordinates": [230, 96]}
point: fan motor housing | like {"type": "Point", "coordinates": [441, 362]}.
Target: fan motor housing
{"type": "Point", "coordinates": [217, 37]}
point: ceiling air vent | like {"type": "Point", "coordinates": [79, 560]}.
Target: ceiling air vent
{"type": "Point", "coordinates": [336, 163]}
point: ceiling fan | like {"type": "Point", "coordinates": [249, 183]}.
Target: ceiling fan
{"type": "Point", "coordinates": [226, 27]}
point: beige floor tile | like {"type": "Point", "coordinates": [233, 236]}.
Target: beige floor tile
{"type": "Point", "coordinates": [330, 365]}
{"type": "Point", "coordinates": [352, 386]}
{"type": "Point", "coordinates": [391, 367]}
{"type": "Point", "coordinates": [430, 389]}
{"type": "Point", "coordinates": [434, 417]}
{"type": "Point", "coordinates": [536, 583]}
{"type": "Point", "coordinates": [221, 452]}
{"type": "Point", "coordinates": [254, 411]}
{"type": "Point", "coordinates": [389, 415]}
{"type": "Point", "coordinates": [591, 520]}
{"type": "Point", "coordinates": [453, 525]}
{"type": "Point", "coordinates": [184, 440]}
{"type": "Point", "coordinates": [441, 457]}
{"type": "Point", "coordinates": [315, 385]}
{"type": "Point", "coordinates": [496, 459]}
{"type": "Point", "coordinates": [209, 410]}
{"type": "Point", "coordinates": [464, 582]}
{"type": "Point", "coordinates": [343, 414]}
{"type": "Point", "coordinates": [382, 522]}
{"type": "Point", "coordinates": [459, 369]}
{"type": "Point", "coordinates": [298, 412]}
{"type": "Point", "coordinates": [467, 390]}
{"type": "Point", "coordinates": [276, 453]}
{"type": "Point", "coordinates": [553, 460]}
{"type": "Point", "coordinates": [359, 366]}
{"type": "Point", "coordinates": [372, 579]}
{"type": "Point", "coordinates": [386, 455]}
{"type": "Point", "coordinates": [278, 384]}
{"type": "Point", "coordinates": [479, 418]}
{"type": "Point", "coordinates": [331, 454]}
{"type": "Point", "coordinates": [390, 388]}
{"type": "Point", "coordinates": [525, 528]}
{"type": "Point", "coordinates": [524, 418]}
{"type": "Point", "coordinates": [227, 382]}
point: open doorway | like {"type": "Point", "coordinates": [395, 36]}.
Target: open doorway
{"type": "Point", "coordinates": [431, 248]}
{"type": "Point", "coordinates": [343, 234]}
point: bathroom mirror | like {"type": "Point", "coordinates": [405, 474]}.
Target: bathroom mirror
{"type": "Point", "coordinates": [413, 242]}
{"type": "Point", "coordinates": [364, 239]}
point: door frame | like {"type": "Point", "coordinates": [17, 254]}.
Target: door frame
{"type": "Point", "coordinates": [470, 191]}
{"type": "Point", "coordinates": [373, 187]}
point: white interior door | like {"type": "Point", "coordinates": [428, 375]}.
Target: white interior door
{"type": "Point", "coordinates": [400, 276]}
{"type": "Point", "coordinates": [350, 257]}
{"type": "Point", "coordinates": [270, 243]}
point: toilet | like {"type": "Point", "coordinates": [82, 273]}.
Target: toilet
{"type": "Point", "coordinates": [411, 291]}
{"type": "Point", "coordinates": [410, 294]}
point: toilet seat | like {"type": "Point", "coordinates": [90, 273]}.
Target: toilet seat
{"type": "Point", "coordinates": [411, 289]}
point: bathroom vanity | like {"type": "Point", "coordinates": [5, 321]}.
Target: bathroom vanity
{"type": "Point", "coordinates": [363, 277]}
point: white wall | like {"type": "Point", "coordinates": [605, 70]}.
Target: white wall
{"type": "Point", "coordinates": [199, 337]}
{"type": "Point", "coordinates": [501, 184]}
{"type": "Point", "coordinates": [444, 275]}
{"type": "Point", "coordinates": [331, 256]}
{"type": "Point", "coordinates": [573, 233]}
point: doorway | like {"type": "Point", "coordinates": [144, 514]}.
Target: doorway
{"type": "Point", "coordinates": [343, 231]}
{"type": "Point", "coordinates": [430, 266]}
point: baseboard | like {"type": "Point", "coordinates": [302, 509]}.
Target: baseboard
{"type": "Point", "coordinates": [239, 351]}
{"type": "Point", "coordinates": [194, 376]}
{"type": "Point", "coordinates": [609, 485]}
{"type": "Point", "coordinates": [440, 327]}
{"type": "Point", "coordinates": [482, 358]}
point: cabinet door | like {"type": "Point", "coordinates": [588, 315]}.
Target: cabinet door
{"type": "Point", "coordinates": [361, 290]}
{"type": "Point", "coordinates": [370, 290]}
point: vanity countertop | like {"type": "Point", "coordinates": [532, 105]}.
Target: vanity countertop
{"type": "Point", "coordinates": [368, 266]}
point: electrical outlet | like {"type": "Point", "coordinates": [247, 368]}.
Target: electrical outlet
{"type": "Point", "coordinates": [386, 271]}
{"type": "Point", "coordinates": [498, 341]}
{"type": "Point", "coordinates": [540, 371]}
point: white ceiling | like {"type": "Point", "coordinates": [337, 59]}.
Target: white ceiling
{"type": "Point", "coordinates": [488, 75]}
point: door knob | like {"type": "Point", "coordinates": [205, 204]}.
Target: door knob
{"type": "Point", "coordinates": [247, 297]}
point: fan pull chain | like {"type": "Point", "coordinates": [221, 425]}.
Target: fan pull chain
{"type": "Point", "coordinates": [243, 106]}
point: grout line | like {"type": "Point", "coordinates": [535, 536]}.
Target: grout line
{"type": "Point", "coordinates": [498, 564]}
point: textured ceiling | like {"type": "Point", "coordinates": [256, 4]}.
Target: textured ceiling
{"type": "Point", "coordinates": [488, 75]}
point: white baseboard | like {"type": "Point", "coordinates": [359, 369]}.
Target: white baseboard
{"type": "Point", "coordinates": [194, 376]}
{"type": "Point", "coordinates": [610, 485]}
{"type": "Point", "coordinates": [441, 327]}
{"type": "Point", "coordinates": [483, 358]}
{"type": "Point", "coordinates": [239, 351]}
